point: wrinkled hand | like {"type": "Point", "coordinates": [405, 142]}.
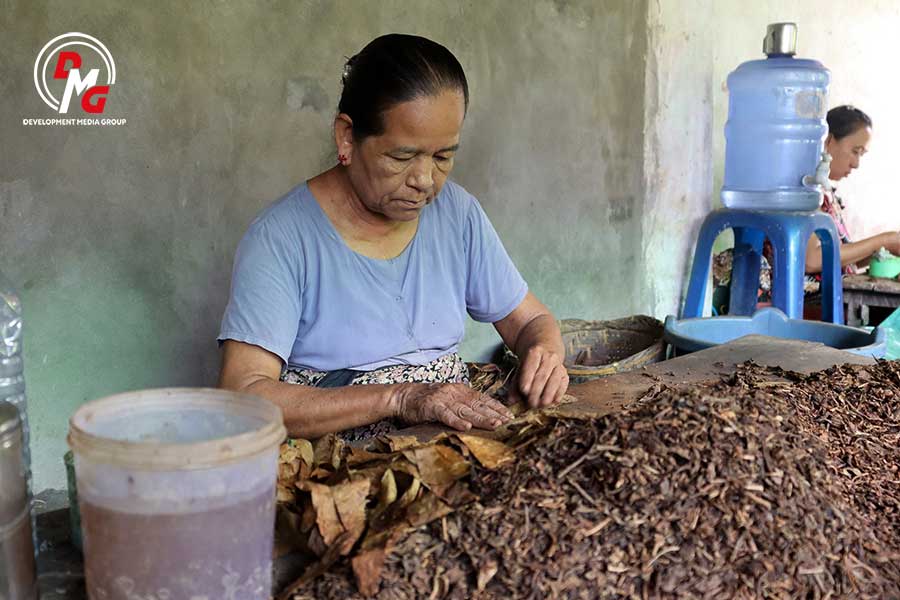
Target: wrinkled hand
{"type": "Point", "coordinates": [453, 404]}
{"type": "Point", "coordinates": [542, 378]}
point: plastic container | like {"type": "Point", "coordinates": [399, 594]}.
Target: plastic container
{"type": "Point", "coordinates": [891, 326]}
{"type": "Point", "coordinates": [176, 489]}
{"type": "Point", "coordinates": [13, 488]}
{"type": "Point", "coordinates": [775, 131]}
{"type": "Point", "coordinates": [691, 335]}
{"type": "Point", "coordinates": [12, 371]}
{"type": "Point", "coordinates": [18, 577]}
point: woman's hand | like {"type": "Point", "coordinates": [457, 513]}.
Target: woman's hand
{"type": "Point", "coordinates": [533, 334]}
{"type": "Point", "coordinates": [453, 404]}
{"type": "Point", "coordinates": [542, 377]}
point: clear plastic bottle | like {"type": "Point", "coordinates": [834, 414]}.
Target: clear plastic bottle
{"type": "Point", "coordinates": [12, 374]}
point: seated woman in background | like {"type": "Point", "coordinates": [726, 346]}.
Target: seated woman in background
{"type": "Point", "coordinates": [849, 133]}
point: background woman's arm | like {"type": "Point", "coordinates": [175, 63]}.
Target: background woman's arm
{"type": "Point", "coordinates": [853, 252]}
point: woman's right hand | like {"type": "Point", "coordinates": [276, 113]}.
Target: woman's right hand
{"type": "Point", "coordinates": [454, 404]}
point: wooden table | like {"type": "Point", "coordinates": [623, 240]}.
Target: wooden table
{"type": "Point", "coordinates": [863, 291]}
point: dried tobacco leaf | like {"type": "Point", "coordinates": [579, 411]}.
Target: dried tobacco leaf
{"type": "Point", "coordinates": [488, 378]}
{"type": "Point", "coordinates": [490, 453]}
{"type": "Point", "coordinates": [350, 502]}
{"type": "Point", "coordinates": [305, 448]}
{"type": "Point", "coordinates": [401, 442]}
{"type": "Point", "coordinates": [410, 494]}
{"type": "Point", "coordinates": [325, 511]}
{"type": "Point", "coordinates": [766, 485]}
{"type": "Point", "coordinates": [339, 509]}
{"type": "Point", "coordinates": [437, 465]}
{"type": "Point", "coordinates": [360, 456]}
{"type": "Point", "coordinates": [387, 494]}
{"type": "Point", "coordinates": [367, 567]}
{"type": "Point", "coordinates": [327, 452]}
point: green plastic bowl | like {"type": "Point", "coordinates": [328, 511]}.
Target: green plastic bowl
{"type": "Point", "coordinates": [887, 269]}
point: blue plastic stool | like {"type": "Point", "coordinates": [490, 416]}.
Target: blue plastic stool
{"type": "Point", "coordinates": [788, 232]}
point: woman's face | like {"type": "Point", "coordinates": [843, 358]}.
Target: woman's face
{"type": "Point", "coordinates": [397, 173]}
{"type": "Point", "coordinates": [846, 152]}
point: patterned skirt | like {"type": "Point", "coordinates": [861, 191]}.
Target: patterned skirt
{"type": "Point", "coordinates": [449, 368]}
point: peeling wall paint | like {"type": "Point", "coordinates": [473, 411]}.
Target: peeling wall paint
{"type": "Point", "coordinates": [677, 147]}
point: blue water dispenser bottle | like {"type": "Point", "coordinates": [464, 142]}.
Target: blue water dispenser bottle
{"type": "Point", "coordinates": [776, 128]}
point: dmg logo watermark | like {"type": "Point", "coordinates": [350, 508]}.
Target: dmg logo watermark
{"type": "Point", "coordinates": [74, 69]}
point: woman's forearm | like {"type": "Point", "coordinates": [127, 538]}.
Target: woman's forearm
{"type": "Point", "coordinates": [543, 331]}
{"type": "Point", "coordinates": [852, 252]}
{"type": "Point", "coordinates": [311, 412]}
{"type": "Point", "coordinates": [855, 252]}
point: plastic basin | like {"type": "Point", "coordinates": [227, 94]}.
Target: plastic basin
{"type": "Point", "coordinates": [691, 335]}
{"type": "Point", "coordinates": [176, 489]}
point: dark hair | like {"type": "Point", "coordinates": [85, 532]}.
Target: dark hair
{"type": "Point", "coordinates": [846, 120]}
{"type": "Point", "coordinates": [396, 68]}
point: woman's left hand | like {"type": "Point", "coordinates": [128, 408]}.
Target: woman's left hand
{"type": "Point", "coordinates": [542, 377]}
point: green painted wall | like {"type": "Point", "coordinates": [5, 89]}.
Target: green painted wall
{"type": "Point", "coordinates": [121, 239]}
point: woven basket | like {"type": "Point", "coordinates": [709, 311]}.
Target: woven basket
{"type": "Point", "coordinates": [600, 348]}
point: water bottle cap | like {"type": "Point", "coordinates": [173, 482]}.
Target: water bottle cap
{"type": "Point", "coordinates": [780, 40]}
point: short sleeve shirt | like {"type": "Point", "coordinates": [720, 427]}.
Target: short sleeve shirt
{"type": "Point", "coordinates": [300, 292]}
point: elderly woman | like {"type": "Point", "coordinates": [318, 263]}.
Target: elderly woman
{"type": "Point", "coordinates": [356, 284]}
{"type": "Point", "coordinates": [849, 133]}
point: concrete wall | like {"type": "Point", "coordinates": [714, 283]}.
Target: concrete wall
{"type": "Point", "coordinates": [121, 239]}
{"type": "Point", "coordinates": [677, 146]}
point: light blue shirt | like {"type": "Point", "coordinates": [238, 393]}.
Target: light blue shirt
{"type": "Point", "coordinates": [300, 292]}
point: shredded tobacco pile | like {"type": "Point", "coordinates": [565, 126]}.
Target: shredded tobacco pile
{"type": "Point", "coordinates": [767, 485]}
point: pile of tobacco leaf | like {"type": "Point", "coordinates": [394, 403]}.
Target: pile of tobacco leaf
{"type": "Point", "coordinates": [768, 484]}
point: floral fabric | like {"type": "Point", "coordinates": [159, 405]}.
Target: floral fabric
{"type": "Point", "coordinates": [449, 368]}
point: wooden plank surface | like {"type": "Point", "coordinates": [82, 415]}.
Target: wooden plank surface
{"type": "Point", "coordinates": [871, 284]}
{"type": "Point", "coordinates": [862, 291]}
{"type": "Point", "coordinates": [870, 298]}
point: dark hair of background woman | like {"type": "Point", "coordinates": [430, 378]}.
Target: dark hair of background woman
{"type": "Point", "coordinates": [396, 68]}
{"type": "Point", "coordinates": [846, 120]}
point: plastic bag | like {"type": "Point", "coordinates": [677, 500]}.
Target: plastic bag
{"type": "Point", "coordinates": [891, 326]}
